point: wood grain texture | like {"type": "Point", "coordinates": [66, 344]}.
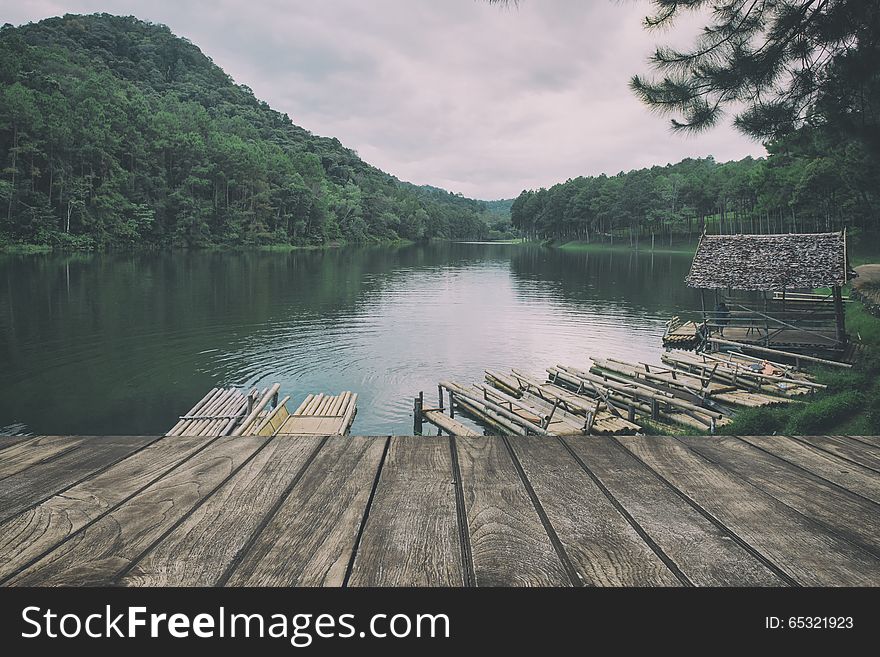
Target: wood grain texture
{"type": "Point", "coordinates": [35, 484]}
{"type": "Point", "coordinates": [601, 544]}
{"type": "Point", "coordinates": [796, 545]}
{"type": "Point", "coordinates": [868, 440]}
{"type": "Point", "coordinates": [509, 544]}
{"type": "Point", "coordinates": [22, 455]}
{"type": "Point", "coordinates": [705, 553]}
{"type": "Point", "coordinates": [30, 533]}
{"type": "Point", "coordinates": [411, 535]}
{"type": "Point", "coordinates": [10, 441]}
{"type": "Point", "coordinates": [848, 515]}
{"type": "Point", "coordinates": [856, 478]}
{"type": "Point", "coordinates": [198, 551]}
{"type": "Point", "coordinates": [96, 555]}
{"type": "Point", "coordinates": [310, 539]}
{"type": "Point", "coordinates": [846, 448]}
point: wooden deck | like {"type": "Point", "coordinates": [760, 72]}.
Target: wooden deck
{"type": "Point", "coordinates": [439, 511]}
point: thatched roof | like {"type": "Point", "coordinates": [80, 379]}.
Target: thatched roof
{"type": "Point", "coordinates": [770, 262]}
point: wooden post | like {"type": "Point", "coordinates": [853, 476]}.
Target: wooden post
{"type": "Point", "coordinates": [451, 405]}
{"type": "Point", "coordinates": [703, 303]}
{"type": "Point", "coordinates": [440, 396]}
{"type": "Point", "coordinates": [839, 316]}
{"type": "Point", "coordinates": [418, 404]}
{"type": "Point", "coordinates": [766, 321]}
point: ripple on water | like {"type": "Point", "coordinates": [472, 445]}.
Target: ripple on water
{"type": "Point", "coordinates": [385, 333]}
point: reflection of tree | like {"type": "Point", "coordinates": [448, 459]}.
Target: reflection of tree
{"type": "Point", "coordinates": [651, 282]}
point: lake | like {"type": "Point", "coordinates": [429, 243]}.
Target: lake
{"type": "Point", "coordinates": [124, 343]}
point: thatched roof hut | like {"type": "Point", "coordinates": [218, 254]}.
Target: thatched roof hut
{"type": "Point", "coordinates": [770, 262]}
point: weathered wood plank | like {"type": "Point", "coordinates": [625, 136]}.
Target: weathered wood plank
{"type": "Point", "coordinates": [40, 449]}
{"type": "Point", "coordinates": [309, 541]}
{"type": "Point", "coordinates": [30, 533]}
{"type": "Point", "coordinates": [411, 534]}
{"type": "Point", "coordinates": [603, 547]}
{"type": "Point", "coordinates": [795, 544]}
{"type": "Point", "coordinates": [705, 553]}
{"type": "Point", "coordinates": [868, 440]}
{"type": "Point", "coordinates": [96, 555]}
{"type": "Point", "coordinates": [850, 516]}
{"type": "Point", "coordinates": [36, 484]}
{"type": "Point", "coordinates": [855, 478]}
{"type": "Point", "coordinates": [509, 544]}
{"type": "Point", "coordinates": [199, 550]}
{"type": "Point", "coordinates": [846, 448]}
{"type": "Point", "coordinates": [10, 441]}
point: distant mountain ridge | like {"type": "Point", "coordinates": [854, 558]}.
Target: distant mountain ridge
{"type": "Point", "coordinates": [116, 132]}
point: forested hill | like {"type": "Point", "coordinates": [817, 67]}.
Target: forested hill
{"type": "Point", "coordinates": [809, 181]}
{"type": "Point", "coordinates": [115, 132]}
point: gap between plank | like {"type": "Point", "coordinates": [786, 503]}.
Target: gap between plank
{"type": "Point", "coordinates": [94, 473]}
{"type": "Point", "coordinates": [834, 454]}
{"type": "Point", "coordinates": [570, 570]}
{"type": "Point", "coordinates": [656, 549]}
{"type": "Point", "coordinates": [195, 507]}
{"type": "Point", "coordinates": [807, 470]}
{"type": "Point", "coordinates": [46, 460]}
{"type": "Point", "coordinates": [366, 516]}
{"type": "Point", "coordinates": [785, 577]}
{"type": "Point", "coordinates": [810, 520]}
{"type": "Point", "coordinates": [110, 509]}
{"type": "Point", "coordinates": [252, 539]}
{"type": "Point", "coordinates": [464, 538]}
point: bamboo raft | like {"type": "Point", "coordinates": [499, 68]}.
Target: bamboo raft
{"type": "Point", "coordinates": [230, 412]}
{"type": "Point", "coordinates": [615, 397]}
{"type": "Point", "coordinates": [681, 335]}
{"type": "Point", "coordinates": [695, 387]}
{"type": "Point", "coordinates": [637, 399]}
{"type": "Point", "coordinates": [741, 371]}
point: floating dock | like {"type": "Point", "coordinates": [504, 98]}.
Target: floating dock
{"type": "Point", "coordinates": [231, 412]}
{"type": "Point", "coordinates": [439, 511]}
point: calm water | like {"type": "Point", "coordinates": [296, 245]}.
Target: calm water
{"type": "Point", "coordinates": [122, 344]}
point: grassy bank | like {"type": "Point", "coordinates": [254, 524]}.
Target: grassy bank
{"type": "Point", "coordinates": [24, 249]}
{"type": "Point", "coordinates": [849, 406]}
{"type": "Point", "coordinates": [34, 249]}
{"type": "Point", "coordinates": [687, 248]}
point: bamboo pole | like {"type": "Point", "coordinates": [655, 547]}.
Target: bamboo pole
{"type": "Point", "coordinates": [497, 408]}
{"type": "Point", "coordinates": [778, 352]}
{"type": "Point", "coordinates": [638, 389]}
{"type": "Point", "coordinates": [266, 420]}
{"type": "Point", "coordinates": [259, 407]}
{"type": "Point", "coordinates": [197, 426]}
{"type": "Point", "coordinates": [302, 407]}
{"type": "Point", "coordinates": [193, 411]}
{"type": "Point", "coordinates": [240, 413]}
{"type": "Point", "coordinates": [348, 418]}
{"type": "Point", "coordinates": [491, 418]}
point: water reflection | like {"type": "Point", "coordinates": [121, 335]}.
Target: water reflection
{"type": "Point", "coordinates": [122, 344]}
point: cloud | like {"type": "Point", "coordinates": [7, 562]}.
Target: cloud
{"type": "Point", "coordinates": [458, 94]}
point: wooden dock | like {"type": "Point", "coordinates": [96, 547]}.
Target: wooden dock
{"type": "Point", "coordinates": [440, 511]}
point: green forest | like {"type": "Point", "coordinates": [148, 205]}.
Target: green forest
{"type": "Point", "coordinates": [116, 133]}
{"type": "Point", "coordinates": [807, 183]}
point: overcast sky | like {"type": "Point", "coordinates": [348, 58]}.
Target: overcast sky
{"type": "Point", "coordinates": [453, 93]}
